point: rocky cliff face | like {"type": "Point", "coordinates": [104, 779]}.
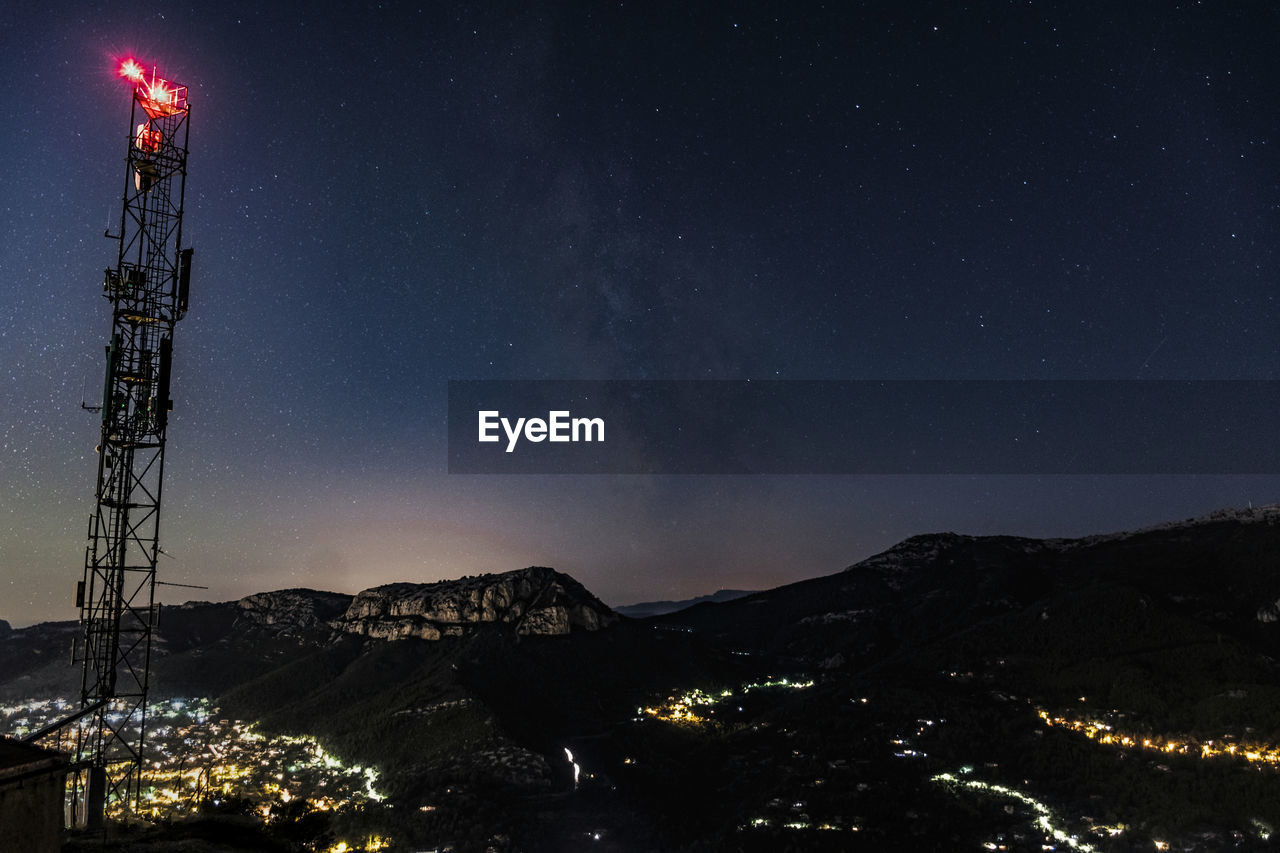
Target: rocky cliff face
{"type": "Point", "coordinates": [287, 609]}
{"type": "Point", "coordinates": [536, 600]}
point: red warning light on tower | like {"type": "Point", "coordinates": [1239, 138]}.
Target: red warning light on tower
{"type": "Point", "coordinates": [159, 97]}
{"type": "Point", "coordinates": [131, 70]}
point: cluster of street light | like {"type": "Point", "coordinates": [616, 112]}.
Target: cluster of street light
{"type": "Point", "coordinates": [195, 757]}
{"type": "Point", "coordinates": [1045, 821]}
{"type": "Point", "coordinates": [695, 707]}
{"type": "Point", "coordinates": [1107, 734]}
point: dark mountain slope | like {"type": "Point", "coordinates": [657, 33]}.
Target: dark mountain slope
{"type": "Point", "coordinates": [1222, 571]}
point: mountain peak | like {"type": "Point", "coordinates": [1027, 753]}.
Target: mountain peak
{"type": "Point", "coordinates": [534, 600]}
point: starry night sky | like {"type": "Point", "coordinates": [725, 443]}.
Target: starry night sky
{"type": "Point", "coordinates": [384, 197]}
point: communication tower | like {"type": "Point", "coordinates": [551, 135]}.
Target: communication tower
{"type": "Point", "coordinates": [148, 290]}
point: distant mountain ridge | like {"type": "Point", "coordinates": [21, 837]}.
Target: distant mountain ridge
{"type": "Point", "coordinates": [1223, 567]}
{"type": "Point", "coordinates": [644, 609]}
{"type": "Point", "coordinates": [205, 647]}
{"type": "Point", "coordinates": [535, 600]}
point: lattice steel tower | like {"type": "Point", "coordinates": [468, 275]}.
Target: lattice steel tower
{"type": "Point", "coordinates": [148, 291]}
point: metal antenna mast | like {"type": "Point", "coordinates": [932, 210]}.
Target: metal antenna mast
{"type": "Point", "coordinates": [148, 293]}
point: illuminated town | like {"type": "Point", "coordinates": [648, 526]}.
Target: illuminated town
{"type": "Point", "coordinates": [697, 707]}
{"type": "Point", "coordinates": [1108, 735]}
{"type": "Point", "coordinates": [196, 759]}
{"type": "Point", "coordinates": [199, 760]}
